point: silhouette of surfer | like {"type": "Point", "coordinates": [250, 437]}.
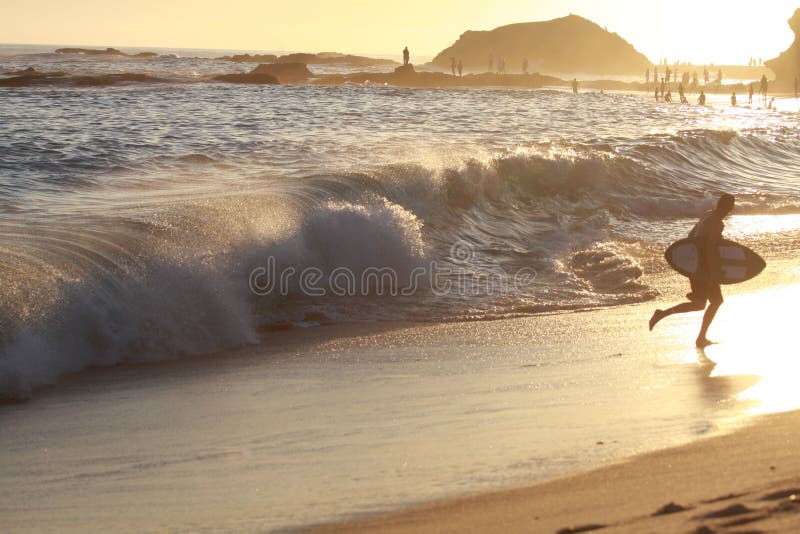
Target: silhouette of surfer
{"type": "Point", "coordinates": [706, 284]}
{"type": "Point", "coordinates": [406, 56]}
{"type": "Point", "coordinates": [763, 89]}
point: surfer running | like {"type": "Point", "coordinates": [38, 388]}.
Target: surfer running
{"type": "Point", "coordinates": [706, 285]}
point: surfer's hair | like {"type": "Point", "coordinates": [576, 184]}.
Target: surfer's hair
{"type": "Point", "coordinates": [726, 202]}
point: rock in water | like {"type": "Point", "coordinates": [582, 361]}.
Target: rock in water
{"type": "Point", "coordinates": [285, 72]}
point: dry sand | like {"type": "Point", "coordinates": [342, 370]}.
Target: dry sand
{"type": "Point", "coordinates": [748, 481]}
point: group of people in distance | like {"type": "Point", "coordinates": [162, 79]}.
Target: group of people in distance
{"type": "Point", "coordinates": [457, 66]}
{"type": "Point", "coordinates": [663, 92]}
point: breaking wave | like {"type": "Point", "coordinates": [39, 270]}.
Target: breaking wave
{"type": "Point", "coordinates": [168, 278]}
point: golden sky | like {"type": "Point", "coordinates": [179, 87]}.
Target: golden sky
{"type": "Point", "coordinates": [703, 31]}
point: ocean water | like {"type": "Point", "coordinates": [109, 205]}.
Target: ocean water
{"type": "Point", "coordinates": [155, 221]}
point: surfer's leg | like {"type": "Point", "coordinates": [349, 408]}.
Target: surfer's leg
{"type": "Point", "coordinates": [715, 301]}
{"type": "Point", "coordinates": [686, 307]}
{"type": "Point", "coordinates": [697, 302]}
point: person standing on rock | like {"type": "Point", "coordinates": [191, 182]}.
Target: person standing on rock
{"type": "Point", "coordinates": [453, 65]}
{"type": "Point", "coordinates": [460, 68]}
{"type": "Point", "coordinates": [406, 56]}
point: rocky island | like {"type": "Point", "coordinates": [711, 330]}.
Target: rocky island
{"type": "Point", "coordinates": [787, 65]}
{"type": "Point", "coordinates": [569, 44]}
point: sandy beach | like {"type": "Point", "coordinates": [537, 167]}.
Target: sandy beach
{"type": "Point", "coordinates": [748, 481]}
{"type": "Point", "coordinates": [417, 413]}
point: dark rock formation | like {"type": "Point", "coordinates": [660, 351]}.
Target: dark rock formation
{"type": "Point", "coordinates": [106, 52]}
{"type": "Point", "coordinates": [249, 77]}
{"type": "Point", "coordinates": [247, 58]}
{"type": "Point", "coordinates": [405, 70]}
{"type": "Point", "coordinates": [64, 79]}
{"type": "Point", "coordinates": [285, 72]}
{"type": "Point", "coordinates": [323, 58]}
{"type": "Point", "coordinates": [334, 58]}
{"type": "Point", "coordinates": [787, 66]}
{"type": "Point", "coordinates": [570, 44]}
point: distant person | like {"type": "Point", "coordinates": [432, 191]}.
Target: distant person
{"type": "Point", "coordinates": [705, 286]}
{"type": "Point", "coordinates": [525, 65]}
{"type": "Point", "coordinates": [701, 100]}
{"type": "Point", "coordinates": [453, 65]}
{"type": "Point", "coordinates": [750, 93]}
{"type": "Point", "coordinates": [655, 85]}
{"type": "Point", "coordinates": [491, 63]}
{"type": "Point", "coordinates": [406, 56]}
{"type": "Point", "coordinates": [771, 104]}
{"type": "Point", "coordinates": [695, 81]}
{"type": "Point", "coordinates": [681, 94]}
{"type": "Point", "coordinates": [575, 86]}
{"type": "Point", "coordinates": [460, 68]}
{"type": "Point", "coordinates": [733, 99]}
{"type": "Point", "coordinates": [668, 96]}
{"type": "Point", "coordinates": [762, 90]}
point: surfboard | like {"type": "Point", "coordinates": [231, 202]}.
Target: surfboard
{"type": "Point", "coordinates": [737, 263]}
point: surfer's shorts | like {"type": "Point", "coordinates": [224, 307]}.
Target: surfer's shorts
{"type": "Point", "coordinates": [704, 291]}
